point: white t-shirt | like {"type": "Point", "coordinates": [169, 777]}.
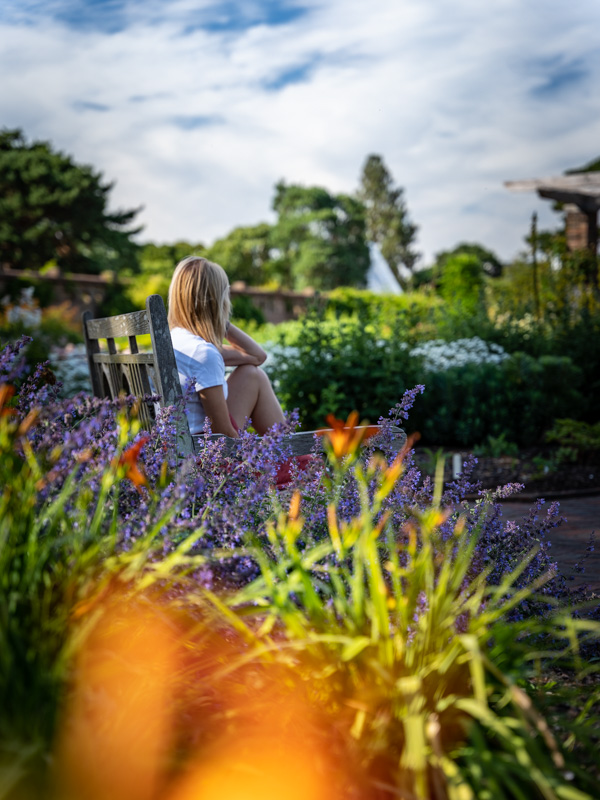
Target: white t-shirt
{"type": "Point", "coordinates": [200, 361]}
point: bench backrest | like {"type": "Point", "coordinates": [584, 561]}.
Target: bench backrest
{"type": "Point", "coordinates": [136, 373]}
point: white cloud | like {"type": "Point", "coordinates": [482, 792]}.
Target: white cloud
{"type": "Point", "coordinates": [446, 92]}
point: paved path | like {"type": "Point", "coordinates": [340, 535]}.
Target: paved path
{"type": "Point", "coordinates": [570, 540]}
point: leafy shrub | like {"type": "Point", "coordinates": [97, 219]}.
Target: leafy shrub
{"type": "Point", "coordinates": [577, 440]}
{"type": "Point", "coordinates": [574, 333]}
{"type": "Point", "coordinates": [244, 310]}
{"type": "Point", "coordinates": [403, 648]}
{"type": "Point", "coordinates": [519, 399]}
{"type": "Point", "coordinates": [144, 285]}
{"type": "Point", "coordinates": [473, 389]}
{"type": "Point", "coordinates": [338, 366]}
{"type": "Point", "coordinates": [416, 308]}
{"type": "Point", "coordinates": [461, 284]}
{"type": "Point", "coordinates": [497, 446]}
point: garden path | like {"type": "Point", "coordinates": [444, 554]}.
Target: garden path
{"type": "Point", "coordinates": [570, 540]}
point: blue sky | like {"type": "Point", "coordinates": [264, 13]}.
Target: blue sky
{"type": "Point", "coordinates": [196, 109]}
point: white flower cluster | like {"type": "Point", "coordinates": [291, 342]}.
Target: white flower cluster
{"type": "Point", "coordinates": [439, 355]}
{"type": "Point", "coordinates": [276, 353]}
{"type": "Point", "coordinates": [71, 368]}
{"type": "Point", "coordinates": [26, 312]}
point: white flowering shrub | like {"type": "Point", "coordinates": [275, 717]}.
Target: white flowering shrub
{"type": "Point", "coordinates": [438, 355]}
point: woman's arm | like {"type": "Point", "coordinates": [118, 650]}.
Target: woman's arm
{"type": "Point", "coordinates": [215, 406]}
{"type": "Point", "coordinates": [242, 349]}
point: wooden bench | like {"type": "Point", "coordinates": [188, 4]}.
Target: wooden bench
{"type": "Point", "coordinates": [140, 374]}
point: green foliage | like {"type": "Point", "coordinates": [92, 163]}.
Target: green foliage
{"type": "Point", "coordinates": [518, 399]}
{"type": "Point", "coordinates": [461, 285]}
{"type": "Point", "coordinates": [416, 308]}
{"type": "Point", "coordinates": [497, 446]}
{"type": "Point", "coordinates": [163, 258]}
{"type": "Point", "coordinates": [405, 651]}
{"type": "Point", "coordinates": [117, 299]}
{"type": "Point", "coordinates": [245, 254]}
{"type": "Point", "coordinates": [142, 286]}
{"type": "Point", "coordinates": [578, 440]}
{"type": "Point", "coordinates": [573, 333]}
{"type": "Point", "coordinates": [489, 262]}
{"type": "Point", "coordinates": [334, 367]}
{"type": "Point", "coordinates": [387, 219]}
{"type": "Point", "coordinates": [319, 238]}
{"type": "Point", "coordinates": [244, 310]}
{"type": "Point", "coordinates": [54, 209]}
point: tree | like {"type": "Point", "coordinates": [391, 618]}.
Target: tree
{"type": "Point", "coordinates": [488, 261]}
{"type": "Point", "coordinates": [387, 219]}
{"type": "Point", "coordinates": [461, 284]}
{"type": "Point", "coordinates": [245, 254]}
{"type": "Point", "coordinates": [319, 238]}
{"type": "Point", "coordinates": [163, 258]}
{"type": "Point", "coordinates": [52, 209]}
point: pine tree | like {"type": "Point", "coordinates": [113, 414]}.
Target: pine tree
{"type": "Point", "coordinates": [52, 209]}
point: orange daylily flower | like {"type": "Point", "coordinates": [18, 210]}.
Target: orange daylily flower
{"type": "Point", "coordinates": [346, 437]}
{"type": "Point", "coordinates": [294, 506]}
{"type": "Point", "coordinates": [6, 392]}
{"type": "Point", "coordinates": [129, 460]}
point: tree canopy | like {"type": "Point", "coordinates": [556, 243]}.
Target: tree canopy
{"type": "Point", "coordinates": [162, 258]}
{"type": "Point", "coordinates": [489, 263]}
{"type": "Point", "coordinates": [387, 221]}
{"type": "Point", "coordinates": [591, 166]}
{"type": "Point", "coordinates": [52, 209]}
{"type": "Point", "coordinates": [319, 238]}
{"type": "Point", "coordinates": [244, 254]}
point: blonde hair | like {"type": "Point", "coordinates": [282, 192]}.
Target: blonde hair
{"type": "Point", "coordinates": [199, 299]}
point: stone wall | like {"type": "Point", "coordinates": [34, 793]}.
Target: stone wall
{"type": "Point", "coordinates": [86, 292]}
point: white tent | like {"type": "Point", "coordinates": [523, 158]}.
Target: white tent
{"type": "Point", "coordinates": [380, 278]}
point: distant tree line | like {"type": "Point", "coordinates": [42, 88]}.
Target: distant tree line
{"type": "Point", "coordinates": [55, 211]}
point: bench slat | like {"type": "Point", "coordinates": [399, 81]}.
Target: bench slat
{"type": "Point", "coordinates": [123, 358]}
{"type": "Point", "coordinates": [134, 324]}
{"type": "Point", "coordinates": [301, 443]}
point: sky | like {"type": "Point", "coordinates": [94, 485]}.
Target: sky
{"type": "Point", "coordinates": [195, 109]}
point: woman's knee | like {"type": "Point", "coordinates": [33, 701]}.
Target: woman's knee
{"type": "Point", "coordinates": [246, 372]}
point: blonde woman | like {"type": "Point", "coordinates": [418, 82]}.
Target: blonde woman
{"type": "Point", "coordinates": [199, 310]}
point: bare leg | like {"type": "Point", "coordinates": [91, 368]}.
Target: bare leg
{"type": "Point", "coordinates": [250, 394]}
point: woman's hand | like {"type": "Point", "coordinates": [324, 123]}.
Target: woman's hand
{"type": "Point", "coordinates": [242, 349]}
{"type": "Point", "coordinates": [215, 406]}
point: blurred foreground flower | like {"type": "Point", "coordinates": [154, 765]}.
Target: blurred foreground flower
{"type": "Point", "coordinates": [118, 726]}
{"type": "Point", "coordinates": [345, 438]}
{"type": "Point", "coordinates": [129, 460]}
{"type": "Point", "coordinates": [141, 671]}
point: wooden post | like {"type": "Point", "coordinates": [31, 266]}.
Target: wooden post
{"type": "Point", "coordinates": [593, 245]}
{"type": "Point", "coordinates": [536, 291]}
